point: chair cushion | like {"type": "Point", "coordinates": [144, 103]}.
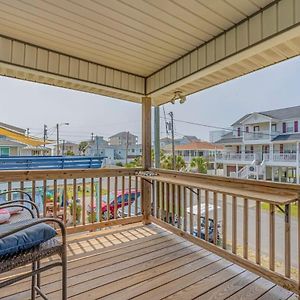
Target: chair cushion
{"type": "Point", "coordinates": [4, 215]}
{"type": "Point", "coordinates": [26, 238]}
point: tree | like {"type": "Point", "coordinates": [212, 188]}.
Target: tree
{"type": "Point", "coordinates": [70, 153]}
{"type": "Point", "coordinates": [166, 162]}
{"type": "Point", "coordinates": [200, 164]}
{"type": "Point", "coordinates": [135, 163]}
{"type": "Point", "coordinates": [82, 147]}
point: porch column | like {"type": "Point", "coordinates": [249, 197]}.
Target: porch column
{"type": "Point", "coordinates": [146, 157]}
{"type": "Point", "coordinates": [272, 174]}
{"type": "Point", "coordinates": [271, 152]}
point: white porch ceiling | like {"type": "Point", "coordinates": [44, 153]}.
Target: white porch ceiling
{"type": "Point", "coordinates": [116, 47]}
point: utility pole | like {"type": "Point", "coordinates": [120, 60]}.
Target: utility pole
{"type": "Point", "coordinates": [173, 141]}
{"type": "Point", "coordinates": [63, 147]}
{"type": "Point", "coordinates": [92, 136]}
{"type": "Point", "coordinates": [45, 134]}
{"type": "Point", "coordinates": [97, 145]}
{"type": "Point", "coordinates": [156, 137]}
{"type": "Point", "coordinates": [57, 139]}
{"type": "Point", "coordinates": [127, 141]}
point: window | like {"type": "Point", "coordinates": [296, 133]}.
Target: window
{"type": "Point", "coordinates": [289, 126]}
{"type": "Point", "coordinates": [256, 128]}
{"type": "Point", "coordinates": [274, 127]}
{"type": "Point", "coordinates": [296, 126]}
{"type": "Point", "coordinates": [247, 129]}
{"type": "Point", "coordinates": [4, 151]}
{"type": "Point", "coordinates": [239, 131]}
{"type": "Point", "coordinates": [284, 127]}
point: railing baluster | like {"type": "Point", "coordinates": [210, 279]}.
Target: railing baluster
{"type": "Point", "coordinates": [100, 199]}
{"type": "Point", "coordinates": [173, 203]}
{"type": "Point", "coordinates": [74, 202]}
{"type": "Point", "coordinates": [234, 221]}
{"type": "Point", "coordinates": [184, 210]}
{"type": "Point", "coordinates": [245, 229]}
{"type": "Point", "coordinates": [163, 206]}
{"type": "Point", "coordinates": [298, 204]}
{"type": "Point", "coordinates": [116, 198]}
{"type": "Point", "coordinates": [83, 201]}
{"type": "Point", "coordinates": [93, 213]}
{"type": "Point", "coordinates": [167, 202]}
{"type": "Point", "coordinates": [198, 212]}
{"type": "Point", "coordinates": [272, 238]}
{"type": "Point", "coordinates": [136, 196]}
{"type": "Point", "coordinates": [123, 192]}
{"type": "Point", "coordinates": [206, 215]}
{"type": "Point", "coordinates": [33, 190]}
{"type": "Point", "coordinates": [129, 196]}
{"type": "Point", "coordinates": [157, 199]}
{"type": "Point", "coordinates": [287, 236]}
{"type": "Point", "coordinates": [224, 221]}
{"type": "Point", "coordinates": [178, 206]}
{"type": "Point", "coordinates": [65, 200]}
{"type": "Point", "coordinates": [44, 198]}
{"type": "Point", "coordinates": [258, 232]}
{"type": "Point", "coordinates": [9, 188]}
{"type": "Point", "coordinates": [55, 198]}
{"type": "Point", "coordinates": [215, 235]}
{"type": "Point", "coordinates": [191, 212]}
{"type": "Point", "coordinates": [108, 199]}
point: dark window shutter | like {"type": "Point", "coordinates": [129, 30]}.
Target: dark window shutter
{"type": "Point", "coordinates": [239, 131]}
{"type": "Point", "coordinates": [247, 129]}
{"type": "Point", "coordinates": [284, 127]}
{"type": "Point", "coordinates": [296, 126]}
{"type": "Point", "coordinates": [281, 148]}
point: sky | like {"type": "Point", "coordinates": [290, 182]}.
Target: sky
{"type": "Point", "coordinates": [31, 105]}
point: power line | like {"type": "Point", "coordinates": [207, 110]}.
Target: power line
{"type": "Point", "coordinates": [221, 128]}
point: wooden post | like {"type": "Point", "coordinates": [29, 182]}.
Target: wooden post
{"type": "Point", "coordinates": [146, 158]}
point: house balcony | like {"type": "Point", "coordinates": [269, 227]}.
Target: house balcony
{"type": "Point", "coordinates": [232, 157]}
{"type": "Point", "coordinates": [256, 137]}
{"type": "Point", "coordinates": [282, 159]}
{"type": "Point", "coordinates": [201, 235]}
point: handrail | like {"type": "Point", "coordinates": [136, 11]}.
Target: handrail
{"type": "Point", "coordinates": [203, 198]}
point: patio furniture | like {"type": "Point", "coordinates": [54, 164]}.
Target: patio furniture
{"type": "Point", "coordinates": [28, 239]}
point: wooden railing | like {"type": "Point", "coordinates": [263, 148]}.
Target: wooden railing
{"type": "Point", "coordinates": [79, 197]}
{"type": "Point", "coordinates": [255, 224]}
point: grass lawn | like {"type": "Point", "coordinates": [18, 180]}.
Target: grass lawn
{"type": "Point", "coordinates": [294, 209]}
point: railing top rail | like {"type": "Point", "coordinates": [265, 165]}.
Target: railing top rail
{"type": "Point", "coordinates": [6, 176]}
{"type": "Point", "coordinates": [276, 193]}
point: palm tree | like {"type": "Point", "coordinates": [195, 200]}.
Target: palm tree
{"type": "Point", "coordinates": [166, 163]}
{"type": "Point", "coordinates": [200, 164]}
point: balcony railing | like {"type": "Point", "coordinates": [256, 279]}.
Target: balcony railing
{"type": "Point", "coordinates": [226, 216]}
{"type": "Point", "coordinates": [230, 156]}
{"type": "Point", "coordinates": [83, 199]}
{"type": "Point", "coordinates": [280, 157]}
{"type": "Point", "coordinates": [262, 135]}
{"type": "Point", "coordinates": [235, 219]}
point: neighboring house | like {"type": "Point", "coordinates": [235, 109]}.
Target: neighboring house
{"type": "Point", "coordinates": [15, 142]}
{"type": "Point", "coordinates": [263, 145]}
{"type": "Point", "coordinates": [195, 149]}
{"type": "Point", "coordinates": [67, 147]}
{"type": "Point", "coordinates": [216, 135]}
{"type": "Point", "coordinates": [10, 148]}
{"type": "Point", "coordinates": [124, 138]}
{"type": "Point", "coordinates": [186, 139]}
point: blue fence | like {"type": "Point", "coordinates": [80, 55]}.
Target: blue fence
{"type": "Point", "coordinates": [50, 162]}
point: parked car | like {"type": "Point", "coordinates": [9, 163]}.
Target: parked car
{"type": "Point", "coordinates": [210, 230]}
{"type": "Point", "coordinates": [112, 202]}
{"type": "Point", "coordinates": [133, 209]}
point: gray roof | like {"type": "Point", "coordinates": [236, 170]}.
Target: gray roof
{"type": "Point", "coordinates": [9, 143]}
{"type": "Point", "coordinates": [14, 128]}
{"type": "Point", "coordinates": [122, 134]}
{"type": "Point", "coordinates": [229, 138]}
{"type": "Point", "coordinates": [287, 137]}
{"type": "Point", "coordinates": [280, 114]}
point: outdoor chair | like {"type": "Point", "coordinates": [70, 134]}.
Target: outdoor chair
{"type": "Point", "coordinates": [27, 239]}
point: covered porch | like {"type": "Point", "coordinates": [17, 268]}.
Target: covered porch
{"type": "Point", "coordinates": [202, 236]}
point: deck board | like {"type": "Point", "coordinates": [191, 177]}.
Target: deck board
{"type": "Point", "coordinates": [146, 262]}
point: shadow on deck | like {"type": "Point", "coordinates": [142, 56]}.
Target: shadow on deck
{"type": "Point", "coordinates": [147, 262]}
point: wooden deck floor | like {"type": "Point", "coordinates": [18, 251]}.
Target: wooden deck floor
{"type": "Point", "coordinates": [147, 262]}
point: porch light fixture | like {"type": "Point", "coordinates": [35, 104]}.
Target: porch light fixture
{"type": "Point", "coordinates": [178, 96]}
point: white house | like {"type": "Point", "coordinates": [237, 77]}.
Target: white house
{"type": "Point", "coordinates": [263, 145]}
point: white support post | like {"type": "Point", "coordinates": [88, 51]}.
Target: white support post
{"type": "Point", "coordinates": [272, 168]}
{"type": "Point", "coordinates": [271, 152]}
{"type": "Point", "coordinates": [236, 170]}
